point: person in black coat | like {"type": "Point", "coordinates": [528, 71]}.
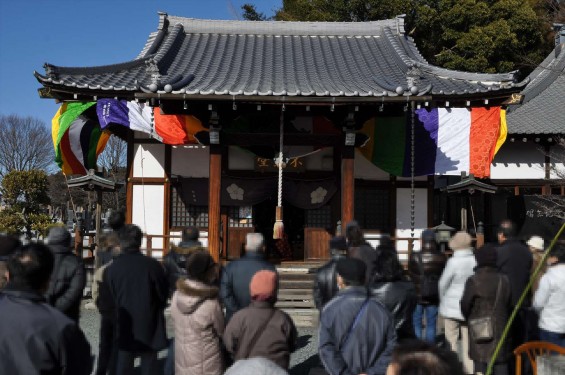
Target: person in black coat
{"type": "Point", "coordinates": [138, 286]}
{"type": "Point", "coordinates": [488, 294]}
{"type": "Point", "coordinates": [36, 338]}
{"type": "Point", "coordinates": [390, 286]}
{"type": "Point", "coordinates": [69, 277]}
{"type": "Point", "coordinates": [325, 284]}
{"type": "Point", "coordinates": [357, 332]}
{"type": "Point", "coordinates": [175, 260]}
{"type": "Point", "coordinates": [236, 276]}
{"type": "Point", "coordinates": [358, 247]}
{"type": "Point", "coordinates": [514, 259]}
{"type": "Point", "coordinates": [425, 268]}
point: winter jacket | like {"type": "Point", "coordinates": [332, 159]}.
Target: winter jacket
{"type": "Point", "coordinates": [369, 345]}
{"type": "Point", "coordinates": [236, 277]}
{"type": "Point", "coordinates": [549, 299]}
{"type": "Point", "coordinates": [67, 282]}
{"type": "Point", "coordinates": [199, 325]}
{"type": "Point", "coordinates": [515, 261]}
{"type": "Point", "coordinates": [433, 263]}
{"type": "Point", "coordinates": [452, 283]}
{"type": "Point", "coordinates": [37, 339]}
{"type": "Point", "coordinates": [325, 284]}
{"type": "Point", "coordinates": [368, 255]}
{"type": "Point", "coordinates": [478, 301]}
{"type": "Point", "coordinates": [175, 262]}
{"type": "Point", "coordinates": [138, 286]}
{"type": "Point", "coordinates": [275, 342]}
{"type": "Point", "coordinates": [399, 297]}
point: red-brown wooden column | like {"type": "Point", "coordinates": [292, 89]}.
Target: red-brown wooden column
{"type": "Point", "coordinates": [347, 186]}
{"type": "Point", "coordinates": [214, 219]}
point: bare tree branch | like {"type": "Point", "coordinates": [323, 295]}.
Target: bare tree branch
{"type": "Point", "coordinates": [26, 145]}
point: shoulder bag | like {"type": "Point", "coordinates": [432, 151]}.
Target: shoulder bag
{"type": "Point", "coordinates": [353, 324]}
{"type": "Point", "coordinates": [482, 329]}
{"type": "Point", "coordinates": [246, 351]}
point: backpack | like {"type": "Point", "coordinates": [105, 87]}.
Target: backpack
{"type": "Point", "coordinates": [429, 284]}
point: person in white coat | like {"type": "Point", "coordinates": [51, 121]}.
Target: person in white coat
{"type": "Point", "coordinates": [451, 286]}
{"type": "Point", "coordinates": [549, 299]}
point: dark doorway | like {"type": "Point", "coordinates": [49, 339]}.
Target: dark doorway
{"type": "Point", "coordinates": [293, 219]}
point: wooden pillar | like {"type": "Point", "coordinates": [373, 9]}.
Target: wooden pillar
{"type": "Point", "coordinates": [347, 187]}
{"type": "Point", "coordinates": [215, 183]}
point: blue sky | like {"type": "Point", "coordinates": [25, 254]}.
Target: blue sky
{"type": "Point", "coordinates": [83, 33]}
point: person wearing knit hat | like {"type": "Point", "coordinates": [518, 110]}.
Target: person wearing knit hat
{"type": "Point", "coordinates": [8, 246]}
{"type": "Point", "coordinates": [325, 284]}
{"type": "Point", "coordinates": [263, 286]}
{"type": "Point", "coordinates": [460, 240]}
{"type": "Point", "coordinates": [261, 330]}
{"type": "Point", "coordinates": [487, 293]}
{"type": "Point", "coordinates": [198, 319]}
{"type": "Point", "coordinates": [357, 333]}
{"type": "Point", "coordinates": [237, 275]}
{"type": "Point", "coordinates": [536, 245]}
{"type": "Point", "coordinates": [69, 277]}
{"type": "Point", "coordinates": [451, 285]}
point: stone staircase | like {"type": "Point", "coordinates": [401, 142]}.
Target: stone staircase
{"type": "Point", "coordinates": [296, 283]}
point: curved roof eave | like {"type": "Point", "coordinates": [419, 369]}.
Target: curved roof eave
{"type": "Point", "coordinates": [153, 71]}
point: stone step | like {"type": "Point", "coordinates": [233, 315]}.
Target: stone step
{"type": "Point", "coordinates": [296, 284]}
{"type": "Point", "coordinates": [303, 303]}
{"type": "Point", "coordinates": [296, 276]}
{"type": "Point", "coordinates": [303, 317]}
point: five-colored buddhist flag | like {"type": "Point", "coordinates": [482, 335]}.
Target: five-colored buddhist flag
{"type": "Point", "coordinates": [447, 141]}
{"type": "Point", "coordinates": [132, 115]}
{"type": "Point", "coordinates": [77, 137]}
{"type": "Point", "coordinates": [177, 129]}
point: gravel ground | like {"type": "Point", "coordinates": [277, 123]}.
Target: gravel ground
{"type": "Point", "coordinates": [301, 361]}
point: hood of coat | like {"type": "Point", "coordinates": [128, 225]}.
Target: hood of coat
{"type": "Point", "coordinates": [191, 294]}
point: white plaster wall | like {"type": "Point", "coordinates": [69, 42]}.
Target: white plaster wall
{"type": "Point", "coordinates": [518, 160]}
{"type": "Point", "coordinates": [149, 160]}
{"type": "Point", "coordinates": [190, 161]}
{"type": "Point", "coordinates": [557, 162]}
{"type": "Point", "coordinates": [403, 216]}
{"type": "Point", "coordinates": [148, 207]}
{"type": "Point", "coordinates": [365, 170]}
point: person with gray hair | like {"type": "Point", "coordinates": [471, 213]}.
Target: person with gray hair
{"type": "Point", "coordinates": [236, 276]}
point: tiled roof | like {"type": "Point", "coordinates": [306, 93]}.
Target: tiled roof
{"type": "Point", "coordinates": [269, 58]}
{"type": "Point", "coordinates": [543, 108]}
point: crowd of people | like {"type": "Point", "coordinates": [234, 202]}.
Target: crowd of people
{"type": "Point", "coordinates": [375, 316]}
